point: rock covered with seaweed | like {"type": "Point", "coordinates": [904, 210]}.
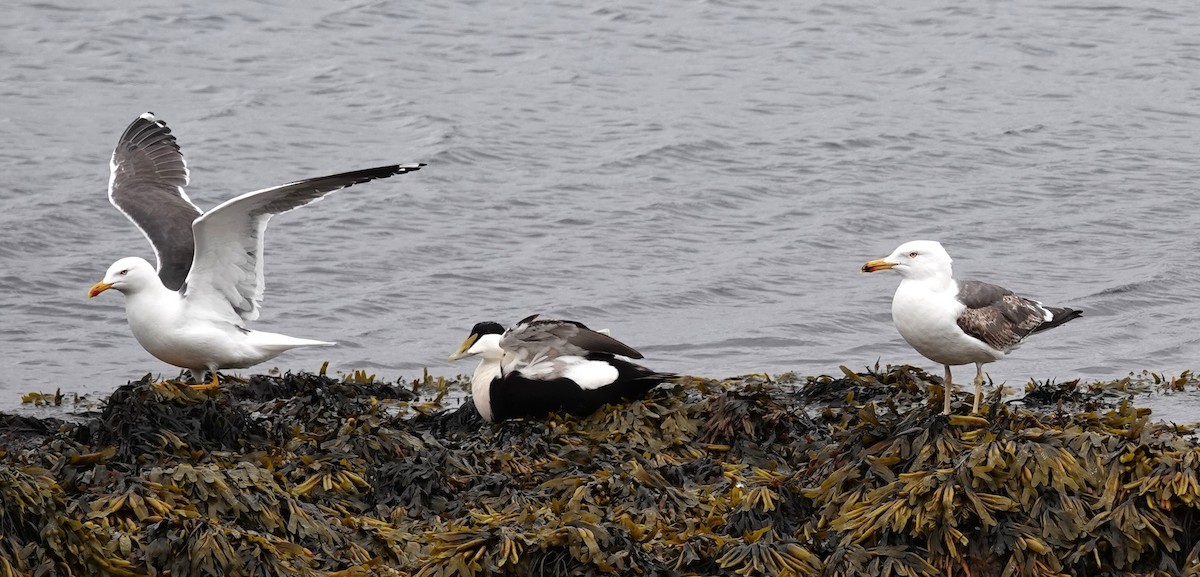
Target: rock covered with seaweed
{"type": "Point", "coordinates": [850, 475]}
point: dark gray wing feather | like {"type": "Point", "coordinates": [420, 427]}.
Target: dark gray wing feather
{"type": "Point", "coordinates": [146, 184]}
{"type": "Point", "coordinates": [557, 337]}
{"type": "Point", "coordinates": [1001, 318]}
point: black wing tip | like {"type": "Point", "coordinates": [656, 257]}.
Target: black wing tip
{"type": "Point", "coordinates": [403, 168]}
{"type": "Point", "coordinates": [147, 131]}
{"type": "Point", "coordinates": [1068, 314]}
{"type": "Point", "coordinates": [368, 174]}
{"type": "Point", "coordinates": [149, 118]}
{"type": "Point", "coordinates": [1058, 316]}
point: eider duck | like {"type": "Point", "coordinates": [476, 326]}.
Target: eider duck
{"type": "Point", "coordinates": [537, 367]}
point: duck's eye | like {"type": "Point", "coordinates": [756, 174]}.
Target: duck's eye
{"type": "Point", "coordinates": [912, 254]}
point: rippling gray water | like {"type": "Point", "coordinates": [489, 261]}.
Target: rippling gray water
{"type": "Point", "coordinates": [704, 177]}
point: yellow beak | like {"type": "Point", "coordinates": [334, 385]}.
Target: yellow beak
{"type": "Point", "coordinates": [99, 288]}
{"type": "Point", "coordinates": [877, 264]}
{"type": "Point", "coordinates": [462, 349]}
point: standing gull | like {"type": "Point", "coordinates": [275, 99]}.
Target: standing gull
{"type": "Point", "coordinates": [209, 280]}
{"type": "Point", "coordinates": [959, 322]}
{"type": "Point", "coordinates": [538, 367]}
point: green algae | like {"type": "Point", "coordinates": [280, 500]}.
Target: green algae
{"type": "Point", "coordinates": [853, 474]}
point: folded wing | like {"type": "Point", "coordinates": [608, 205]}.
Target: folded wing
{"type": "Point", "coordinates": [554, 338]}
{"type": "Point", "coordinates": [1002, 318]}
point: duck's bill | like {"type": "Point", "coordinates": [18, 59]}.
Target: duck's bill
{"type": "Point", "coordinates": [463, 348]}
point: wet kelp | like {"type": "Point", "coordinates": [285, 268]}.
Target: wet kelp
{"type": "Point", "coordinates": [854, 474]}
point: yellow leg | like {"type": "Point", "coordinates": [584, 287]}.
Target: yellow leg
{"type": "Point", "coordinates": [978, 387]}
{"type": "Point", "coordinates": [206, 387]}
{"type": "Point", "coordinates": [179, 381]}
{"type": "Point", "coordinates": [949, 390]}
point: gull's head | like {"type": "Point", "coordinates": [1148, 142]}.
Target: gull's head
{"type": "Point", "coordinates": [917, 259]}
{"type": "Point", "coordinates": [484, 341]}
{"type": "Point", "coordinates": [126, 275]}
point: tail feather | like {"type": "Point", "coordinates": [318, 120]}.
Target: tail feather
{"type": "Point", "coordinates": [280, 343]}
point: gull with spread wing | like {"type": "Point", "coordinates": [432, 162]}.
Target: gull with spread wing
{"type": "Point", "coordinates": [191, 311]}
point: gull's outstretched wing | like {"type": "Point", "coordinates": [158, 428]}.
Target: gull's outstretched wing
{"type": "Point", "coordinates": [228, 266]}
{"type": "Point", "coordinates": [146, 184]}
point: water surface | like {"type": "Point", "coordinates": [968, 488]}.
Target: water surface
{"type": "Point", "coordinates": [704, 178]}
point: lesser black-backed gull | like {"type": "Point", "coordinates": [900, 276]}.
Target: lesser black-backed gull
{"type": "Point", "coordinates": [192, 311]}
{"type": "Point", "coordinates": [959, 322]}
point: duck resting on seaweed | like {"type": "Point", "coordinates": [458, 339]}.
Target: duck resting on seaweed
{"type": "Point", "coordinates": [537, 367]}
{"type": "Point", "coordinates": [191, 311]}
{"type": "Point", "coordinates": [959, 322]}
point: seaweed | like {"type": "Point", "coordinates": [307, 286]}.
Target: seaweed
{"type": "Point", "coordinates": [851, 474]}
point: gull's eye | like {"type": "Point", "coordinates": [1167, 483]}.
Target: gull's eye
{"type": "Point", "coordinates": [124, 272]}
{"type": "Point", "coordinates": [912, 254]}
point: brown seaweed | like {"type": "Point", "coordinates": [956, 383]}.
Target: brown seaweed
{"type": "Point", "coordinates": [850, 474]}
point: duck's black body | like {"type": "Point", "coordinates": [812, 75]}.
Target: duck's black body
{"type": "Point", "coordinates": [515, 395]}
{"type": "Point", "coordinates": [538, 367]}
